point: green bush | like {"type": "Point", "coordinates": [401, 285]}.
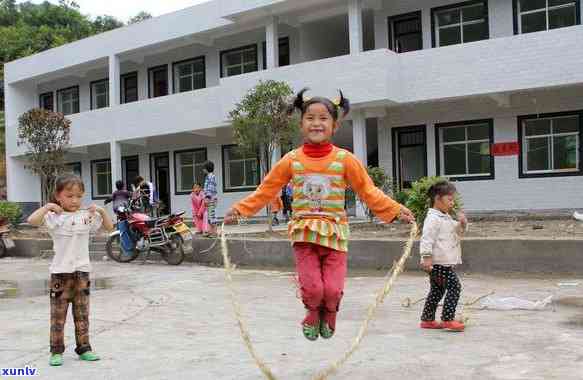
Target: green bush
{"type": "Point", "coordinates": [402, 196]}
{"type": "Point", "coordinates": [418, 200]}
{"type": "Point", "coordinates": [10, 211]}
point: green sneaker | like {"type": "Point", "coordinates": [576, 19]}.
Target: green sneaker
{"type": "Point", "coordinates": [56, 360]}
{"type": "Point", "coordinates": [89, 356]}
{"type": "Point", "coordinates": [311, 332]}
{"type": "Point", "coordinates": [325, 331]}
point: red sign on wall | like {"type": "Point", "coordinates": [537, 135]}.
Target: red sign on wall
{"type": "Point", "coordinates": [505, 149]}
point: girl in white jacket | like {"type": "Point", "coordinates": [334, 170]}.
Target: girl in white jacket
{"type": "Point", "coordinates": [440, 252]}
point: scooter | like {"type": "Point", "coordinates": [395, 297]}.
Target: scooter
{"type": "Point", "coordinates": [138, 233]}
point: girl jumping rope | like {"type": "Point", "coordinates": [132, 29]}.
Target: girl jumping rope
{"type": "Point", "coordinates": [70, 226]}
{"type": "Point", "coordinates": [320, 173]}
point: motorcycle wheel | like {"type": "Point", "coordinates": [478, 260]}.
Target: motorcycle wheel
{"type": "Point", "coordinates": [3, 249]}
{"type": "Point", "coordinates": [173, 254]}
{"type": "Point", "coordinates": [116, 253]}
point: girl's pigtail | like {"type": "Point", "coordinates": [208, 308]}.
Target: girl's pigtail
{"type": "Point", "coordinates": [298, 101]}
{"type": "Point", "coordinates": [344, 103]}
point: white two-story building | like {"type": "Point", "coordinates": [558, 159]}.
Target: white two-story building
{"type": "Point", "coordinates": [486, 92]}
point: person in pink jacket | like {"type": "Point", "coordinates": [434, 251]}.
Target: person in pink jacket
{"type": "Point", "coordinates": [199, 210]}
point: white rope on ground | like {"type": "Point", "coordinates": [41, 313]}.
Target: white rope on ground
{"type": "Point", "coordinates": [390, 279]}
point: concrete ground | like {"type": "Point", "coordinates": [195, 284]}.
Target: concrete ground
{"type": "Point", "coordinates": [154, 321]}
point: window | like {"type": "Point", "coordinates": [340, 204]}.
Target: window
{"type": "Point", "coordinates": [101, 178]}
{"type": "Point", "coordinates": [461, 23]}
{"type": "Point", "coordinates": [240, 169]}
{"type": "Point", "coordinates": [550, 144]}
{"type": "Point", "coordinates": [68, 100]}
{"type": "Point", "coordinates": [158, 81]}
{"type": "Point", "coordinates": [405, 33]}
{"type": "Point", "coordinates": [74, 168]}
{"type": "Point", "coordinates": [99, 94]}
{"type": "Point", "coordinates": [536, 15]}
{"type": "Point", "coordinates": [284, 55]}
{"type": "Point", "coordinates": [188, 167]}
{"type": "Point", "coordinates": [129, 88]}
{"type": "Point", "coordinates": [464, 149]}
{"type": "Point", "coordinates": [189, 75]}
{"type": "Point", "coordinates": [239, 61]}
{"type": "Point", "coordinates": [46, 101]}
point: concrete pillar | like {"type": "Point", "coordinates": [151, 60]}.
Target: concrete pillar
{"type": "Point", "coordinates": [272, 43]}
{"type": "Point", "coordinates": [171, 88]}
{"type": "Point", "coordinates": [359, 146]}
{"type": "Point", "coordinates": [355, 26]}
{"type": "Point", "coordinates": [116, 170]}
{"type": "Point", "coordinates": [114, 81]}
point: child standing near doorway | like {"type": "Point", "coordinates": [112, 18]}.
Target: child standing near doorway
{"type": "Point", "coordinates": [441, 251]}
{"type": "Point", "coordinates": [320, 173]}
{"type": "Point", "coordinates": [210, 195]}
{"type": "Point", "coordinates": [199, 210]}
{"type": "Point", "coordinates": [70, 226]}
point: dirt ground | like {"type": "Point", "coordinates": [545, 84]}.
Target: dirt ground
{"type": "Point", "coordinates": [507, 229]}
{"type": "Point", "coordinates": [515, 228]}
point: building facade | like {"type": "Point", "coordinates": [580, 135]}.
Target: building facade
{"type": "Point", "coordinates": [487, 93]}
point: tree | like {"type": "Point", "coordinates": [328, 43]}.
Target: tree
{"type": "Point", "coordinates": [140, 17]}
{"type": "Point", "coordinates": [106, 23]}
{"type": "Point", "coordinates": [46, 135]}
{"type": "Point", "coordinates": [383, 182]}
{"type": "Point", "coordinates": [262, 123]}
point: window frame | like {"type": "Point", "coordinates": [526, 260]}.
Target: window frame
{"type": "Point", "coordinates": [177, 190]}
{"type": "Point", "coordinates": [76, 164]}
{"type": "Point", "coordinates": [522, 156]}
{"type": "Point", "coordinates": [401, 17]}
{"type": "Point", "coordinates": [94, 183]}
{"type": "Point", "coordinates": [60, 91]}
{"type": "Point", "coordinates": [464, 4]}
{"type": "Point", "coordinates": [224, 174]}
{"type": "Point", "coordinates": [516, 15]}
{"type": "Point", "coordinates": [40, 100]}
{"type": "Point", "coordinates": [150, 83]}
{"type": "Point", "coordinates": [280, 41]}
{"type": "Point", "coordinates": [91, 93]}
{"type": "Point", "coordinates": [123, 90]}
{"type": "Point", "coordinates": [195, 59]}
{"type": "Point", "coordinates": [439, 161]}
{"type": "Point", "coordinates": [241, 48]}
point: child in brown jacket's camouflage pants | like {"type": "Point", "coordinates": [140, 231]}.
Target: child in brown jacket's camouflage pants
{"type": "Point", "coordinates": [70, 226]}
{"type": "Point", "coordinates": [70, 288]}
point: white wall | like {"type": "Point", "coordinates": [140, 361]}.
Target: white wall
{"type": "Point", "coordinates": [506, 191]}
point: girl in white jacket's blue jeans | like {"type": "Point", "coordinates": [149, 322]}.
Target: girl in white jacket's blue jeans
{"type": "Point", "coordinates": [441, 251]}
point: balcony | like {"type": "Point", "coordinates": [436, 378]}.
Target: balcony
{"type": "Point", "coordinates": [370, 79]}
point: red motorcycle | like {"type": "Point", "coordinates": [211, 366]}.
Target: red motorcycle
{"type": "Point", "coordinates": [137, 232]}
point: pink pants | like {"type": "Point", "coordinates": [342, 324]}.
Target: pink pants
{"type": "Point", "coordinates": [321, 272]}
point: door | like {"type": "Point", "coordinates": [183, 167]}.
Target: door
{"type": "Point", "coordinates": [405, 33]}
{"type": "Point", "coordinates": [409, 155]}
{"type": "Point", "coordinates": [131, 169]}
{"type": "Point", "coordinates": [160, 174]}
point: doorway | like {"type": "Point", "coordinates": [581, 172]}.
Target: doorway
{"type": "Point", "coordinates": [409, 155]}
{"type": "Point", "coordinates": [130, 170]}
{"type": "Point", "coordinates": [160, 174]}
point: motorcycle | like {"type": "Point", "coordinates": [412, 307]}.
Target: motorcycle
{"type": "Point", "coordinates": [6, 243]}
{"type": "Point", "coordinates": [138, 233]}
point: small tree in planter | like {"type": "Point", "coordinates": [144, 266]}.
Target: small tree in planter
{"type": "Point", "coordinates": [46, 134]}
{"type": "Point", "coordinates": [261, 122]}
{"type": "Point", "coordinates": [383, 182]}
{"type": "Point", "coordinates": [418, 198]}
